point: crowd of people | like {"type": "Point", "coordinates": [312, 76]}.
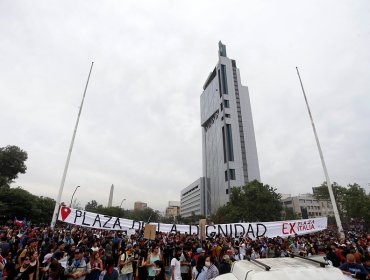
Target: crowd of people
{"type": "Point", "coordinates": [67, 253]}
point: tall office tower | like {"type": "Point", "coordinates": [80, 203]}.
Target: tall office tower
{"type": "Point", "coordinates": [229, 145]}
{"type": "Point", "coordinates": [110, 196]}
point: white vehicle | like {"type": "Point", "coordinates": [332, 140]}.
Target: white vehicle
{"type": "Point", "coordinates": [297, 268]}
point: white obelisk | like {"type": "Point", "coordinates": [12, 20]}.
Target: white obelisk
{"type": "Point", "coordinates": [110, 196]}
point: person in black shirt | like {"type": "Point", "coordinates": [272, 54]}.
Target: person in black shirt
{"type": "Point", "coordinates": [332, 256]}
{"type": "Point", "coordinates": [225, 265]}
{"type": "Point", "coordinates": [26, 271]}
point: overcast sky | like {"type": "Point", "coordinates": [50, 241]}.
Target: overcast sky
{"type": "Point", "coordinates": [140, 124]}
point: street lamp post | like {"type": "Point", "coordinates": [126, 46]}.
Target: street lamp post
{"type": "Point", "coordinates": [70, 205]}
{"type": "Point", "coordinates": [120, 206]}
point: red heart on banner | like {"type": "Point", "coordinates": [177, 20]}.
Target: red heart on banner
{"type": "Point", "coordinates": [65, 211]}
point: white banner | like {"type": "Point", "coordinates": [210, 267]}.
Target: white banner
{"type": "Point", "coordinates": [252, 230]}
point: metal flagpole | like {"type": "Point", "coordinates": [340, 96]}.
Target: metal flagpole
{"type": "Point", "coordinates": [56, 208]}
{"type": "Point", "coordinates": [331, 193]}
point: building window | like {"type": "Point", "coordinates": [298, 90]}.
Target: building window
{"type": "Point", "coordinates": [227, 103]}
{"type": "Point", "coordinates": [232, 174]}
{"type": "Point", "coordinates": [227, 191]}
{"type": "Point", "coordinates": [219, 82]}
{"type": "Point", "coordinates": [224, 80]}
{"type": "Point", "coordinates": [227, 115]}
{"type": "Point", "coordinates": [223, 142]}
{"type": "Point", "coordinates": [222, 106]}
{"type": "Point", "coordinates": [230, 142]}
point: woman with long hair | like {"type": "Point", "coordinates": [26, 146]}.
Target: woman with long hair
{"type": "Point", "coordinates": [96, 266]}
{"type": "Point", "coordinates": [56, 271]}
{"type": "Point", "coordinates": [152, 257]}
{"type": "Point", "coordinates": [109, 273]}
{"type": "Point", "coordinates": [25, 271]}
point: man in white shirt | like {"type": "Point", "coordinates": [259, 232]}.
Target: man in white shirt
{"type": "Point", "coordinates": [237, 256]}
{"type": "Point", "coordinates": [176, 266]}
{"type": "Point", "coordinates": [242, 249]}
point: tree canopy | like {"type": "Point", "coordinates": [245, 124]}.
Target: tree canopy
{"type": "Point", "coordinates": [352, 201]}
{"type": "Point", "coordinates": [12, 162]}
{"type": "Point", "coordinates": [17, 202]}
{"type": "Point", "coordinates": [137, 215]}
{"type": "Point", "coordinates": [21, 204]}
{"type": "Point", "coordinates": [250, 203]}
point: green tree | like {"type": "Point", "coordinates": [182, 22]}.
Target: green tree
{"type": "Point", "coordinates": [250, 203]}
{"type": "Point", "coordinates": [93, 206]}
{"type": "Point", "coordinates": [356, 203]}
{"type": "Point", "coordinates": [322, 192]}
{"type": "Point", "coordinates": [289, 214]}
{"type": "Point", "coordinates": [12, 162]}
{"type": "Point", "coordinates": [145, 215]}
{"type": "Point", "coordinates": [352, 201]}
{"type": "Point", "coordinates": [114, 211]}
{"type": "Point", "coordinates": [19, 203]}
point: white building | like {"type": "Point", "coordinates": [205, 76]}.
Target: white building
{"type": "Point", "coordinates": [174, 203]}
{"type": "Point", "coordinates": [173, 209]}
{"type": "Point", "coordinates": [229, 145]}
{"type": "Point", "coordinates": [307, 206]}
{"type": "Point", "coordinates": [193, 199]}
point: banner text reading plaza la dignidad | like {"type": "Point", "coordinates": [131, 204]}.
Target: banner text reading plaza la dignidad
{"type": "Point", "coordinates": [252, 230]}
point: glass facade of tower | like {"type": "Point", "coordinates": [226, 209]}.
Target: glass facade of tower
{"type": "Point", "coordinates": [229, 146]}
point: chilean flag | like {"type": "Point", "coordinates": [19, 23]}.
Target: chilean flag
{"type": "Point", "coordinates": [19, 222]}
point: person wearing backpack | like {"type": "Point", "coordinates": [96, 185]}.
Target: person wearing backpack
{"type": "Point", "coordinates": [126, 261]}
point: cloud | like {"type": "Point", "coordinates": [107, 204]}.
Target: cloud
{"type": "Point", "coordinates": [140, 125]}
